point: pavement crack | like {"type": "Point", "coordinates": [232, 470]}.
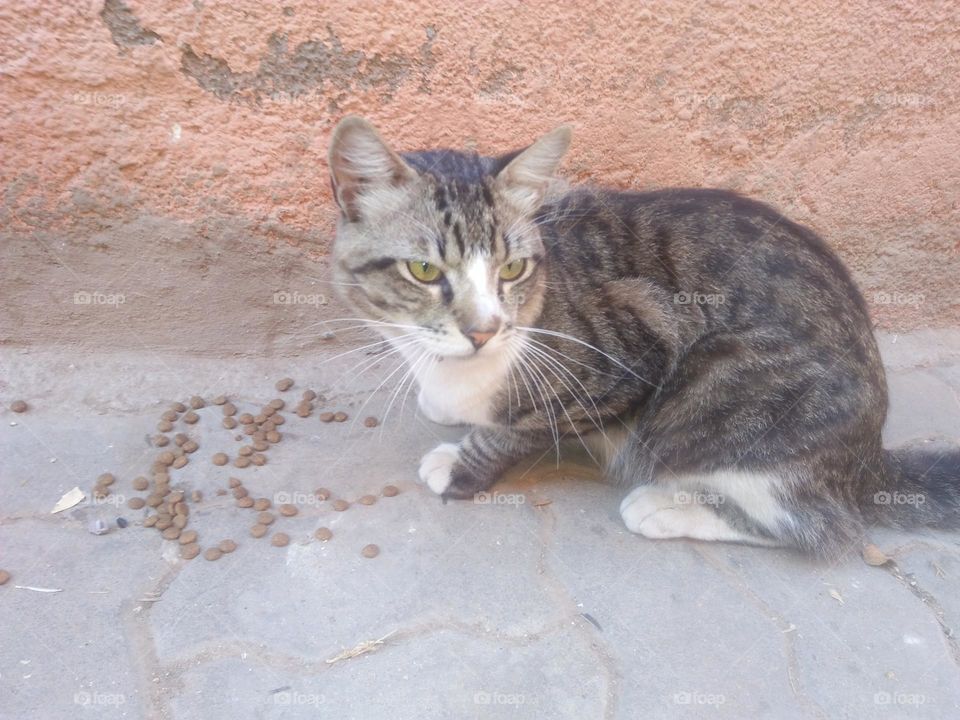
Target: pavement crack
{"type": "Point", "coordinates": [909, 581]}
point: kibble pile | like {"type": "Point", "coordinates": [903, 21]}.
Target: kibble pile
{"type": "Point", "coordinates": [169, 506]}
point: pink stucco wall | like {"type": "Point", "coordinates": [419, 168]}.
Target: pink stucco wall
{"type": "Point", "coordinates": [844, 115]}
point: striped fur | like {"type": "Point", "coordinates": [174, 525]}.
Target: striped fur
{"type": "Point", "coordinates": [713, 347]}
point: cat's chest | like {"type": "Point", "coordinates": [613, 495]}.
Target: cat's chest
{"type": "Point", "coordinates": [455, 391]}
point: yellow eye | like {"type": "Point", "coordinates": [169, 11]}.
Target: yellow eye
{"type": "Point", "coordinates": [513, 270]}
{"type": "Point", "coordinates": [424, 271]}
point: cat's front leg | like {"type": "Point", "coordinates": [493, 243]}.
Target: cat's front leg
{"type": "Point", "coordinates": [460, 470]}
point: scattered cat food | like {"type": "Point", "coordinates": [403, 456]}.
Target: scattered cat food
{"type": "Point", "coordinates": [196, 496]}
{"type": "Point", "coordinates": [180, 439]}
{"type": "Point", "coordinates": [274, 437]}
{"type": "Point", "coordinates": [340, 505]}
{"type": "Point", "coordinates": [241, 462]}
{"type": "Point", "coordinates": [322, 494]}
{"type": "Point", "coordinates": [229, 423]}
{"type": "Point", "coordinates": [284, 384]}
{"type": "Point", "coordinates": [220, 400]}
{"type": "Point", "coordinates": [190, 446]}
{"type": "Point", "coordinates": [258, 530]}
{"type": "Point", "coordinates": [262, 504]}
{"type": "Point", "coordinates": [288, 510]}
{"type": "Point", "coordinates": [280, 540]}
{"type": "Point", "coordinates": [229, 409]}
{"type": "Point", "coordinates": [220, 459]}
{"type": "Point", "coordinates": [122, 522]}
{"type": "Point", "coordinates": [246, 451]}
{"type": "Point", "coordinates": [163, 523]}
{"type": "Point", "coordinates": [161, 441]}
{"type": "Point", "coordinates": [171, 533]}
{"type": "Point", "coordinates": [370, 551]}
{"type": "Point", "coordinates": [309, 395]}
{"type": "Point", "coordinates": [136, 503]}
{"type": "Point", "coordinates": [370, 422]}
{"type": "Point", "coordinates": [390, 491]}
{"type": "Point", "coordinates": [178, 407]}
{"type": "Point", "coordinates": [278, 419]}
{"type": "Point", "coordinates": [227, 546]}
{"type": "Point", "coordinates": [180, 521]}
{"type": "Point", "coordinates": [150, 521]}
{"type": "Point", "coordinates": [245, 419]}
{"type": "Point", "coordinates": [191, 417]}
{"type": "Point", "coordinates": [276, 404]}
{"type": "Point", "coordinates": [166, 458]}
{"type": "Point", "coordinates": [367, 500]}
{"type": "Point", "coordinates": [164, 426]}
{"type": "Point", "coordinates": [265, 518]}
{"type": "Point", "coordinates": [326, 417]}
{"type": "Point", "coordinates": [106, 479]}
{"type": "Point", "coordinates": [188, 537]}
{"type": "Point", "coordinates": [170, 415]}
{"type": "Point", "coordinates": [213, 553]}
{"type": "Point", "coordinates": [260, 445]}
{"type": "Point", "coordinates": [340, 417]}
{"type": "Point", "coordinates": [180, 462]}
{"type": "Point", "coordinates": [240, 492]}
{"type": "Point", "coordinates": [189, 551]}
{"type": "Point", "coordinates": [154, 500]}
{"type": "Point", "coordinates": [4, 575]}
{"type": "Point", "coordinates": [245, 502]}
{"type": "Point", "coordinates": [196, 402]}
{"type": "Point", "coordinates": [258, 459]}
{"type": "Point", "coordinates": [872, 555]}
{"type": "Point", "coordinates": [19, 406]}
{"type": "Point", "coordinates": [140, 483]}
{"type": "Point", "coordinates": [323, 534]}
{"type": "Point", "coordinates": [303, 410]}
{"type": "Point", "coordinates": [98, 527]}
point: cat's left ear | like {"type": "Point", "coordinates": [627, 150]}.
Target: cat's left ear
{"type": "Point", "coordinates": [362, 166]}
{"type": "Point", "coordinates": [526, 176]}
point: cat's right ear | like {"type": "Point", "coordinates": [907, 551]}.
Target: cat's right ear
{"type": "Point", "coordinates": [362, 166]}
{"type": "Point", "coordinates": [525, 178]}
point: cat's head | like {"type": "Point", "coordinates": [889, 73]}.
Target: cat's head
{"type": "Point", "coordinates": [442, 245]}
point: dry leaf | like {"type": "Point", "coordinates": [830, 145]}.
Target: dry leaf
{"type": "Point", "coordinates": [69, 499]}
{"type": "Point", "coordinates": [836, 596]}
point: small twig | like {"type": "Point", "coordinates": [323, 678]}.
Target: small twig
{"type": "Point", "coordinates": [365, 647]}
{"type": "Point", "coordinates": [38, 589]}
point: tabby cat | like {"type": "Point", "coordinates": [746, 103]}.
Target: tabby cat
{"type": "Point", "coordinates": [714, 356]}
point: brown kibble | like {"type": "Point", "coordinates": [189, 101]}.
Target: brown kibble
{"type": "Point", "coordinates": [220, 400]}
{"type": "Point", "coordinates": [340, 417]}
{"type": "Point", "coordinates": [245, 502]}
{"type": "Point", "coordinates": [262, 504]}
{"type": "Point", "coordinates": [220, 459]}
{"type": "Point", "coordinates": [288, 510]}
{"type": "Point", "coordinates": [323, 534]}
{"type": "Point", "coordinates": [140, 483]}
{"type": "Point", "coordinates": [284, 384]}
{"type": "Point", "coordinates": [180, 439]}
{"type": "Point", "coordinates": [390, 491]}
{"type": "Point", "coordinates": [340, 505]}
{"type": "Point", "coordinates": [248, 430]}
{"type": "Point", "coordinates": [169, 415]}
{"type": "Point", "coordinates": [240, 492]}
{"type": "Point", "coordinates": [106, 479]}
{"type": "Point", "coordinates": [135, 503]}
{"type": "Point", "coordinates": [259, 436]}
{"type": "Point", "coordinates": [19, 406]}
{"type": "Point", "coordinates": [161, 441]}
{"type": "Point", "coordinates": [171, 533]}
{"type": "Point", "coordinates": [187, 537]}
{"type": "Point", "coordinates": [164, 426]}
{"type": "Point", "coordinates": [245, 419]}
{"type": "Point", "coordinates": [180, 462]}
{"type": "Point", "coordinates": [370, 551]}
{"type": "Point", "coordinates": [190, 446]}
{"type": "Point", "coordinates": [229, 409]}
{"type": "Point", "coordinates": [260, 445]}
{"type": "Point", "coordinates": [265, 518]}
{"type": "Point", "coordinates": [278, 419]}
{"type": "Point", "coordinates": [309, 395]}
{"type": "Point", "coordinates": [322, 494]}
{"type": "Point", "coordinates": [4, 575]}
{"type": "Point", "coordinates": [280, 540]}
{"type": "Point", "coordinates": [100, 492]}
{"type": "Point", "coordinates": [276, 404]}
{"type": "Point", "coordinates": [189, 551]}
{"type": "Point", "coordinates": [213, 553]}
{"type": "Point", "coordinates": [196, 496]}
{"type": "Point", "coordinates": [178, 407]}
{"type": "Point", "coordinates": [258, 530]}
{"type": "Point", "coordinates": [227, 546]}
{"type": "Point", "coordinates": [166, 458]}
{"type": "Point", "coordinates": [175, 497]}
{"type": "Point", "coordinates": [246, 451]}
{"type": "Point", "coordinates": [154, 500]}
{"type": "Point", "coordinates": [326, 417]}
{"type": "Point", "coordinates": [229, 423]}
{"type": "Point", "coordinates": [196, 402]}
{"type": "Point", "coordinates": [304, 410]}
{"type": "Point", "coordinates": [235, 482]}
{"type": "Point", "coordinates": [370, 422]}
{"type": "Point", "coordinates": [367, 500]}
{"type": "Point", "coordinates": [191, 417]}
{"type": "Point", "coordinates": [258, 459]}
{"type": "Point", "coordinates": [181, 508]}
{"type": "Point", "coordinates": [872, 555]}
{"type": "Point", "coordinates": [180, 521]}
{"type": "Point", "coordinates": [274, 437]}
{"type": "Point", "coordinates": [268, 426]}
{"type": "Point", "coordinates": [241, 462]}
{"type": "Point", "coordinates": [221, 491]}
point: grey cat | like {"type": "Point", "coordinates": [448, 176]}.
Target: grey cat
{"type": "Point", "coordinates": [712, 355]}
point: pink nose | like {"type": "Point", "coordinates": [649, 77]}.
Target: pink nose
{"type": "Point", "coordinates": [480, 336]}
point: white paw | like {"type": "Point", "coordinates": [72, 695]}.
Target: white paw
{"type": "Point", "coordinates": [646, 510]}
{"type": "Point", "coordinates": [436, 465]}
{"type": "Point", "coordinates": [435, 414]}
